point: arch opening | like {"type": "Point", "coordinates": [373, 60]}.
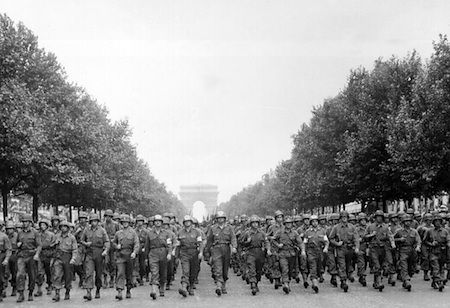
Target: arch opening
{"type": "Point", "coordinates": [199, 211]}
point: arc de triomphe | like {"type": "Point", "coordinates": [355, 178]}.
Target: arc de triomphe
{"type": "Point", "coordinates": [189, 194]}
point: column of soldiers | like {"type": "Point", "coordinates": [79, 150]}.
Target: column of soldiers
{"type": "Point", "coordinates": [122, 252]}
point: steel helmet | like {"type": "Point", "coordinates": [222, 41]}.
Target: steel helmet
{"type": "Point", "coordinates": [125, 218]}
{"type": "Point", "coordinates": [322, 217]}
{"type": "Point", "coordinates": [26, 217]}
{"type": "Point", "coordinates": [64, 223]}
{"type": "Point", "coordinates": [378, 213]}
{"type": "Point", "coordinates": [334, 216]}
{"type": "Point", "coordinates": [116, 216]}
{"type": "Point", "coordinates": [438, 217]}
{"type": "Point", "coordinates": [410, 211]}
{"type": "Point", "coordinates": [306, 216]}
{"type": "Point", "coordinates": [427, 216]}
{"type": "Point", "coordinates": [244, 217]}
{"type": "Point", "coordinates": [314, 217]}
{"type": "Point", "coordinates": [351, 217]}
{"type": "Point", "coordinates": [343, 213]}
{"type": "Point", "coordinates": [140, 218]}
{"type": "Point", "coordinates": [269, 217]}
{"type": "Point", "coordinates": [109, 213]}
{"type": "Point", "coordinates": [278, 213]}
{"type": "Point", "coordinates": [288, 219]}
{"type": "Point", "coordinates": [362, 216]}
{"type": "Point", "coordinates": [93, 217]}
{"type": "Point", "coordinates": [45, 221]}
{"type": "Point", "coordinates": [83, 215]}
{"type": "Point", "coordinates": [221, 214]}
{"type": "Point", "coordinates": [406, 217]}
{"type": "Point", "coordinates": [166, 220]}
{"type": "Point", "coordinates": [187, 218]}
{"type": "Point", "coordinates": [194, 220]}
{"type": "Point", "coordinates": [254, 218]}
{"type": "Point", "coordinates": [158, 218]}
{"type": "Point", "coordinates": [10, 225]}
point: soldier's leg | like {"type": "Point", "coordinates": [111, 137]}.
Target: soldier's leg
{"type": "Point", "coordinates": [40, 272]}
{"type": "Point", "coordinates": [142, 266]}
{"type": "Point", "coordinates": [2, 274]}
{"type": "Point", "coordinates": [284, 265]}
{"type": "Point", "coordinates": [21, 274]}
{"type": "Point", "coordinates": [68, 272]}
{"type": "Point", "coordinates": [31, 268]}
{"type": "Point", "coordinates": [58, 273]}
{"type": "Point", "coordinates": [163, 269]}
{"type": "Point", "coordinates": [129, 273]}
{"type": "Point", "coordinates": [89, 268]}
{"type": "Point", "coordinates": [341, 263]}
{"type": "Point", "coordinates": [48, 272]}
{"type": "Point", "coordinates": [98, 264]}
{"type": "Point", "coordinates": [185, 268]}
{"type": "Point", "coordinates": [217, 265]}
{"type": "Point", "coordinates": [121, 276]}
{"type": "Point", "coordinates": [403, 266]}
{"type": "Point", "coordinates": [349, 263]}
{"type": "Point", "coordinates": [226, 262]}
{"type": "Point", "coordinates": [251, 266]}
{"type": "Point", "coordinates": [13, 272]}
{"type": "Point", "coordinates": [154, 269]}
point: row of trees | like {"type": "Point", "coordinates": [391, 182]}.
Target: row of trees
{"type": "Point", "coordinates": [386, 136]}
{"type": "Point", "coordinates": [57, 143]}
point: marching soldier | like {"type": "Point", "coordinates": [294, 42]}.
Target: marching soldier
{"type": "Point", "coordinates": [29, 245]}
{"type": "Point", "coordinates": [315, 242]}
{"type": "Point", "coordinates": [48, 240]}
{"type": "Point", "coordinates": [111, 227]}
{"type": "Point", "coordinates": [361, 256]}
{"type": "Point", "coordinates": [126, 245]}
{"type": "Point", "coordinates": [66, 250]}
{"type": "Point", "coordinates": [141, 260]}
{"type": "Point", "coordinates": [220, 244]}
{"type": "Point", "coordinates": [96, 243]}
{"type": "Point", "coordinates": [424, 249]}
{"type": "Point", "coordinates": [255, 243]}
{"type": "Point", "coordinates": [288, 242]}
{"type": "Point", "coordinates": [438, 241]}
{"type": "Point", "coordinates": [380, 244]}
{"type": "Point", "coordinates": [158, 247]}
{"type": "Point", "coordinates": [5, 254]}
{"type": "Point", "coordinates": [273, 260]}
{"type": "Point", "coordinates": [12, 235]}
{"type": "Point", "coordinates": [344, 237]}
{"type": "Point", "coordinates": [408, 242]}
{"type": "Point", "coordinates": [189, 248]}
{"type": "Point", "coordinates": [171, 264]}
{"type": "Point", "coordinates": [331, 255]}
{"type": "Point", "coordinates": [55, 220]}
{"type": "Point", "coordinates": [80, 256]}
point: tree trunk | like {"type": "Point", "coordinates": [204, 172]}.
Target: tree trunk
{"type": "Point", "coordinates": [56, 209]}
{"type": "Point", "coordinates": [35, 207]}
{"type": "Point", "coordinates": [363, 206]}
{"type": "Point", "coordinates": [70, 213]}
{"type": "Point", "coordinates": [5, 203]}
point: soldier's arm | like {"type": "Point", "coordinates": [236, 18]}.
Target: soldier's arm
{"type": "Point", "coordinates": [200, 242]}
{"type": "Point", "coordinates": [233, 239]}
{"type": "Point", "coordinates": [74, 250]}
{"type": "Point", "coordinates": [8, 248]}
{"type": "Point", "coordinates": [106, 241]}
{"type": "Point", "coordinates": [38, 244]}
{"type": "Point", "coordinates": [136, 243]}
{"type": "Point", "coordinates": [332, 237]}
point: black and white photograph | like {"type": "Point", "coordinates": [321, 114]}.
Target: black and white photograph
{"type": "Point", "coordinates": [225, 153]}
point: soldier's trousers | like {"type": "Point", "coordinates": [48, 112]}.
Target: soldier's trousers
{"type": "Point", "coordinates": [254, 264]}
{"type": "Point", "coordinates": [344, 261]}
{"type": "Point", "coordinates": [438, 259]}
{"type": "Point", "coordinates": [12, 266]}
{"type": "Point", "coordinates": [93, 264]}
{"type": "Point", "coordinates": [287, 264]}
{"type": "Point", "coordinates": [125, 272]}
{"type": "Point", "coordinates": [314, 259]}
{"type": "Point", "coordinates": [331, 261]}
{"type": "Point", "coordinates": [189, 264]}
{"type": "Point", "coordinates": [62, 271]}
{"type": "Point", "coordinates": [361, 263]}
{"type": "Point", "coordinates": [26, 266]}
{"type": "Point", "coordinates": [220, 258]}
{"type": "Point", "coordinates": [44, 270]}
{"type": "Point", "coordinates": [407, 262]}
{"type": "Point", "coordinates": [274, 267]}
{"type": "Point", "coordinates": [158, 265]}
{"type": "Point", "coordinates": [110, 265]}
{"type": "Point", "coordinates": [142, 265]}
{"type": "Point", "coordinates": [380, 255]}
{"type": "Point", "coordinates": [2, 272]}
{"type": "Point", "coordinates": [425, 258]}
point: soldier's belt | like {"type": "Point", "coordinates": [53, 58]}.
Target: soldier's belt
{"type": "Point", "coordinates": [156, 247]}
{"type": "Point", "coordinates": [221, 244]}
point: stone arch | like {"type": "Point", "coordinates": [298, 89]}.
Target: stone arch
{"type": "Point", "coordinates": [189, 194]}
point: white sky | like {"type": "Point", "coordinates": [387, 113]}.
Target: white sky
{"type": "Point", "coordinates": [214, 90]}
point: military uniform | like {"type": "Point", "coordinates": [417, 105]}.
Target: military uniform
{"type": "Point", "coordinates": [48, 239]}
{"type": "Point", "coordinates": [5, 254]}
{"type": "Point", "coordinates": [111, 227]}
{"type": "Point", "coordinates": [315, 241]}
{"type": "Point", "coordinates": [141, 260]}
{"type": "Point", "coordinates": [12, 264]}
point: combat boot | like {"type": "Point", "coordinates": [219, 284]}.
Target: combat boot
{"type": "Point", "coordinates": [161, 290]}
{"type": "Point", "coordinates": [88, 295]}
{"type": "Point", "coordinates": [105, 281]}
{"type": "Point", "coordinates": [351, 278]}
{"type": "Point", "coordinates": [224, 288]}
{"type": "Point", "coordinates": [407, 285]}
{"type": "Point", "coordinates": [257, 288]}
{"type": "Point", "coordinates": [378, 284]}
{"type": "Point", "coordinates": [305, 281]}
{"type": "Point", "coordinates": [218, 288]}
{"type": "Point", "coordinates": [277, 283]}
{"type": "Point", "coordinates": [119, 294]}
{"type": "Point", "coordinates": [253, 288]}
{"type": "Point", "coordinates": [321, 279]}
{"type": "Point", "coordinates": [425, 276]}
{"type": "Point", "coordinates": [183, 290]}
{"type": "Point", "coordinates": [49, 290]}
{"type": "Point", "coordinates": [128, 294]}
{"type": "Point", "coordinates": [153, 292]}
{"type": "Point", "coordinates": [362, 281]}
{"type": "Point", "coordinates": [315, 286]}
{"type": "Point", "coordinates": [30, 296]}
{"type": "Point", "coordinates": [333, 281]}
{"type": "Point", "coordinates": [21, 297]}
{"type": "Point", "coordinates": [391, 280]}
{"type": "Point", "coordinates": [344, 285]}
{"type": "Point", "coordinates": [56, 297]}
{"type": "Point", "coordinates": [67, 295]}
{"type": "Point", "coordinates": [14, 292]}
{"type": "Point", "coordinates": [286, 288]}
{"type": "Point", "coordinates": [191, 290]}
{"type": "Point", "coordinates": [38, 292]}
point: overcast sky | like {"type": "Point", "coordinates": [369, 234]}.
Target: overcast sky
{"type": "Point", "coordinates": [214, 90]}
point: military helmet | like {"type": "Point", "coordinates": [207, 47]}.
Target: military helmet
{"type": "Point", "coordinates": [322, 217]}
{"type": "Point", "coordinates": [334, 216]}
{"type": "Point", "coordinates": [306, 216]}
{"type": "Point", "coordinates": [278, 213]}
{"type": "Point", "coordinates": [45, 221]}
{"type": "Point", "coordinates": [64, 223]}
{"type": "Point", "coordinates": [254, 218]}
{"type": "Point", "coordinates": [438, 217]}
{"type": "Point", "coordinates": [18, 224]}
{"type": "Point", "coordinates": [314, 217]}
{"type": "Point", "coordinates": [109, 213]}
{"type": "Point", "coordinates": [140, 218]}
{"type": "Point", "coordinates": [83, 215]}
{"type": "Point", "coordinates": [166, 220]}
{"type": "Point", "coordinates": [221, 214]}
{"type": "Point", "coordinates": [157, 218]}
{"type": "Point", "coordinates": [187, 218]}
{"type": "Point", "coordinates": [362, 216]}
{"type": "Point", "coordinates": [351, 217]}
{"type": "Point", "coordinates": [269, 217]}
{"type": "Point", "coordinates": [288, 219]}
{"type": "Point", "coordinates": [166, 214]}
{"type": "Point", "coordinates": [410, 211]}
{"type": "Point", "coordinates": [10, 225]}
{"type": "Point", "coordinates": [417, 214]}
{"type": "Point", "coordinates": [125, 218]}
{"type": "Point", "coordinates": [443, 208]}
{"type": "Point", "coordinates": [94, 216]}
{"type": "Point", "coordinates": [393, 215]}
{"type": "Point", "coordinates": [194, 220]}
{"type": "Point", "coordinates": [343, 213]}
{"type": "Point", "coordinates": [56, 217]}
{"type": "Point", "coordinates": [406, 217]}
{"type": "Point", "coordinates": [151, 219]}
{"type": "Point", "coordinates": [297, 218]}
{"type": "Point", "coordinates": [26, 217]}
{"type": "Point", "coordinates": [427, 216]}
{"type": "Point", "coordinates": [378, 213]}
{"type": "Point", "coordinates": [244, 217]}
{"type": "Point", "coordinates": [116, 216]}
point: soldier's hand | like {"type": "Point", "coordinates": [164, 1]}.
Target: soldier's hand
{"type": "Point", "coordinates": [5, 262]}
{"type": "Point", "coordinates": [200, 256]}
{"type": "Point", "coordinates": [19, 244]}
{"type": "Point", "coordinates": [88, 244]}
{"type": "Point", "coordinates": [233, 250]}
{"type": "Point", "coordinates": [325, 250]}
{"type": "Point", "coordinates": [356, 250]}
{"type": "Point", "coordinates": [133, 255]}
{"type": "Point", "coordinates": [169, 257]}
{"type": "Point", "coordinates": [303, 253]}
{"type": "Point", "coordinates": [269, 253]}
{"type": "Point", "coordinates": [249, 239]}
{"type": "Point", "coordinates": [119, 246]}
{"type": "Point", "coordinates": [340, 243]}
{"type": "Point", "coordinates": [72, 262]}
{"type": "Point", "coordinates": [36, 258]}
{"type": "Point", "coordinates": [104, 253]}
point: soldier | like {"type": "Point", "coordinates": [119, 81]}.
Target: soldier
{"type": "Point", "coordinates": [408, 242]}
{"type": "Point", "coordinates": [189, 247]}
{"type": "Point", "coordinates": [302, 264]}
{"type": "Point", "coordinates": [29, 245]}
{"type": "Point", "coordinates": [111, 227]}
{"type": "Point", "coordinates": [390, 269]}
{"type": "Point", "coordinates": [48, 240]}
{"type": "Point", "coordinates": [345, 238]}
{"type": "Point", "coordinates": [12, 235]}
{"type": "Point", "coordinates": [323, 224]}
{"type": "Point", "coordinates": [171, 264]}
{"type": "Point", "coordinates": [361, 256]}
{"type": "Point", "coordinates": [96, 243]}
{"type": "Point", "coordinates": [255, 243]}
{"type": "Point", "coordinates": [55, 220]}
{"type": "Point", "coordinates": [220, 238]}
{"type": "Point", "coordinates": [315, 242]}
{"type": "Point", "coordinates": [141, 260]}
{"type": "Point", "coordinates": [380, 244]}
{"type": "Point", "coordinates": [288, 242]}
{"type": "Point", "coordinates": [438, 241]}
{"type": "Point", "coordinates": [158, 247]}
{"type": "Point", "coordinates": [424, 249]}
{"type": "Point", "coordinates": [66, 250]}
{"type": "Point", "coordinates": [126, 245]}
{"type": "Point", "coordinates": [5, 254]}
{"type": "Point", "coordinates": [331, 255]}
{"type": "Point", "coordinates": [273, 262]}
{"type": "Point", "coordinates": [80, 256]}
